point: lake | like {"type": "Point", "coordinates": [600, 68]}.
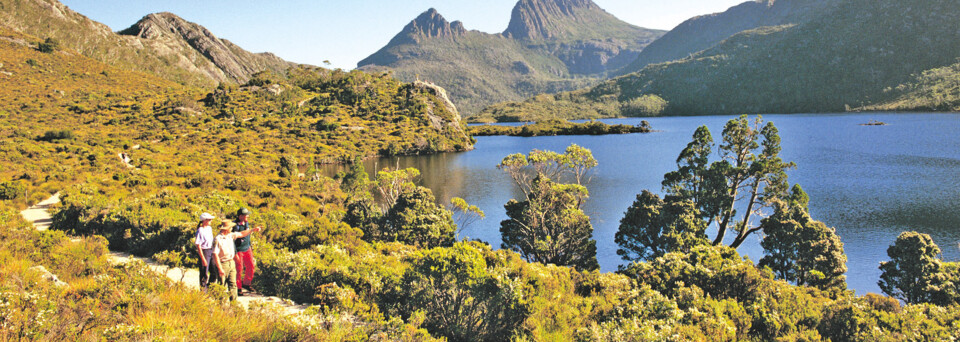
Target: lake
{"type": "Point", "coordinates": [870, 182]}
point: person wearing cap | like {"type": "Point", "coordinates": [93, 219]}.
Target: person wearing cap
{"type": "Point", "coordinates": [204, 242]}
{"type": "Point", "coordinates": [245, 264]}
{"type": "Point", "coordinates": [225, 254]}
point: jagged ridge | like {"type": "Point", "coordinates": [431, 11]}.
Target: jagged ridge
{"type": "Point", "coordinates": [232, 63]}
{"type": "Point", "coordinates": [203, 62]}
{"type": "Point", "coordinates": [550, 46]}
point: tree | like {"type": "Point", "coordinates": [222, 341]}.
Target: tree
{"type": "Point", "coordinates": [731, 193]}
{"type": "Point", "coordinates": [576, 161]}
{"type": "Point", "coordinates": [465, 214]}
{"type": "Point", "coordinates": [799, 249]}
{"type": "Point", "coordinates": [579, 161]}
{"type": "Point", "coordinates": [416, 219]}
{"type": "Point", "coordinates": [467, 300]}
{"type": "Point", "coordinates": [391, 184]}
{"type": "Point", "coordinates": [915, 273]}
{"type": "Point", "coordinates": [549, 227]}
{"type": "Point", "coordinates": [757, 178]}
{"type": "Point", "coordinates": [652, 227]}
{"type": "Point", "coordinates": [354, 180]}
{"type": "Point", "coordinates": [49, 45]}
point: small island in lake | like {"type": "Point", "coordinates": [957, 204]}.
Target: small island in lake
{"type": "Point", "coordinates": [874, 123]}
{"type": "Point", "coordinates": [559, 127]}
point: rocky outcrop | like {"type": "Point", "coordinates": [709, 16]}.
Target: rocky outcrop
{"type": "Point", "coordinates": [229, 62]}
{"type": "Point", "coordinates": [440, 118]}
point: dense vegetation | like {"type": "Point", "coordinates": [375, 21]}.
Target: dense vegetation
{"type": "Point", "coordinates": [933, 90]}
{"type": "Point", "coordinates": [377, 255]}
{"type": "Point", "coordinates": [703, 32]}
{"type": "Point", "coordinates": [578, 104]}
{"type": "Point", "coordinates": [842, 59]}
{"type": "Point", "coordinates": [558, 127]}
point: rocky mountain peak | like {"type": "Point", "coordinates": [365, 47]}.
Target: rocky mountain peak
{"type": "Point", "coordinates": [540, 19]}
{"type": "Point", "coordinates": [432, 24]}
{"type": "Point", "coordinates": [234, 63]}
{"type": "Point", "coordinates": [156, 25]}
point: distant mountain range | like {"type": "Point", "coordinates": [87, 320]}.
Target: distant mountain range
{"type": "Point", "coordinates": [548, 46]}
{"type": "Point", "coordinates": [819, 56]}
{"type": "Point", "coordinates": [162, 44]}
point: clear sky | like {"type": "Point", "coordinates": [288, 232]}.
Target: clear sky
{"type": "Point", "coordinates": [344, 32]}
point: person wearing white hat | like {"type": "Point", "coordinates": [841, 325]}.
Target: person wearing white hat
{"type": "Point", "coordinates": [204, 241]}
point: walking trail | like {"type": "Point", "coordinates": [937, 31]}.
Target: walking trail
{"type": "Point", "coordinates": [39, 216]}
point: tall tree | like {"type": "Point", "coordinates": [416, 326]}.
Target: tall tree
{"type": "Point", "coordinates": [732, 192]}
{"type": "Point", "coordinates": [549, 226]}
{"type": "Point", "coordinates": [757, 179]}
{"type": "Point", "coordinates": [915, 273]}
{"type": "Point", "coordinates": [800, 249]}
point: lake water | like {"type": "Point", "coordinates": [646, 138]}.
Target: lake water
{"type": "Point", "coordinates": [870, 182]}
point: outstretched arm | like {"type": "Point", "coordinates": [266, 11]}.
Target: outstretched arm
{"type": "Point", "coordinates": [247, 232]}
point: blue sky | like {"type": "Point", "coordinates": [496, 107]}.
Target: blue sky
{"type": "Point", "coordinates": [345, 32]}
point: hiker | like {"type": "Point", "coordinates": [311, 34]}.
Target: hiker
{"type": "Point", "coordinates": [204, 242]}
{"type": "Point", "coordinates": [226, 254]}
{"type": "Point", "coordinates": [245, 262]}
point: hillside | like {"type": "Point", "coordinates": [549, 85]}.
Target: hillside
{"type": "Point", "coordinates": [703, 32]}
{"type": "Point", "coordinates": [934, 90]}
{"type": "Point", "coordinates": [161, 44]}
{"type": "Point", "coordinates": [549, 46]}
{"type": "Point", "coordinates": [136, 158]}
{"type": "Point", "coordinates": [845, 58]}
{"type": "Point", "coordinates": [68, 116]}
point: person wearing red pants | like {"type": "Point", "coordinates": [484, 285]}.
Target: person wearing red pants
{"type": "Point", "coordinates": [244, 260]}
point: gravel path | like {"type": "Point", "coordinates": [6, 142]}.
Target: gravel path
{"type": "Point", "coordinates": [39, 216]}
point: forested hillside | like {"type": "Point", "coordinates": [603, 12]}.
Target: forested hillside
{"type": "Point", "coordinates": [844, 59]}
{"type": "Point", "coordinates": [703, 32]}
{"type": "Point", "coordinates": [549, 46]}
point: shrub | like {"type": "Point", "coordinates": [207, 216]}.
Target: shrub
{"type": "Point", "coordinates": [49, 45]}
{"type": "Point", "coordinates": [12, 190]}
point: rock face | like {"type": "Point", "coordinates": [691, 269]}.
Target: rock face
{"type": "Point", "coordinates": [552, 19]}
{"type": "Point", "coordinates": [431, 24]}
{"type": "Point", "coordinates": [702, 32]}
{"type": "Point", "coordinates": [162, 44]}
{"type": "Point", "coordinates": [230, 62]}
{"type": "Point", "coordinates": [549, 46]}
{"type": "Point", "coordinates": [437, 121]}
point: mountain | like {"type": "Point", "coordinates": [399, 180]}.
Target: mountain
{"type": "Point", "coordinates": [849, 56]}
{"type": "Point", "coordinates": [549, 46]}
{"type": "Point", "coordinates": [162, 44]}
{"type": "Point", "coordinates": [702, 32]}
{"type": "Point", "coordinates": [229, 63]}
